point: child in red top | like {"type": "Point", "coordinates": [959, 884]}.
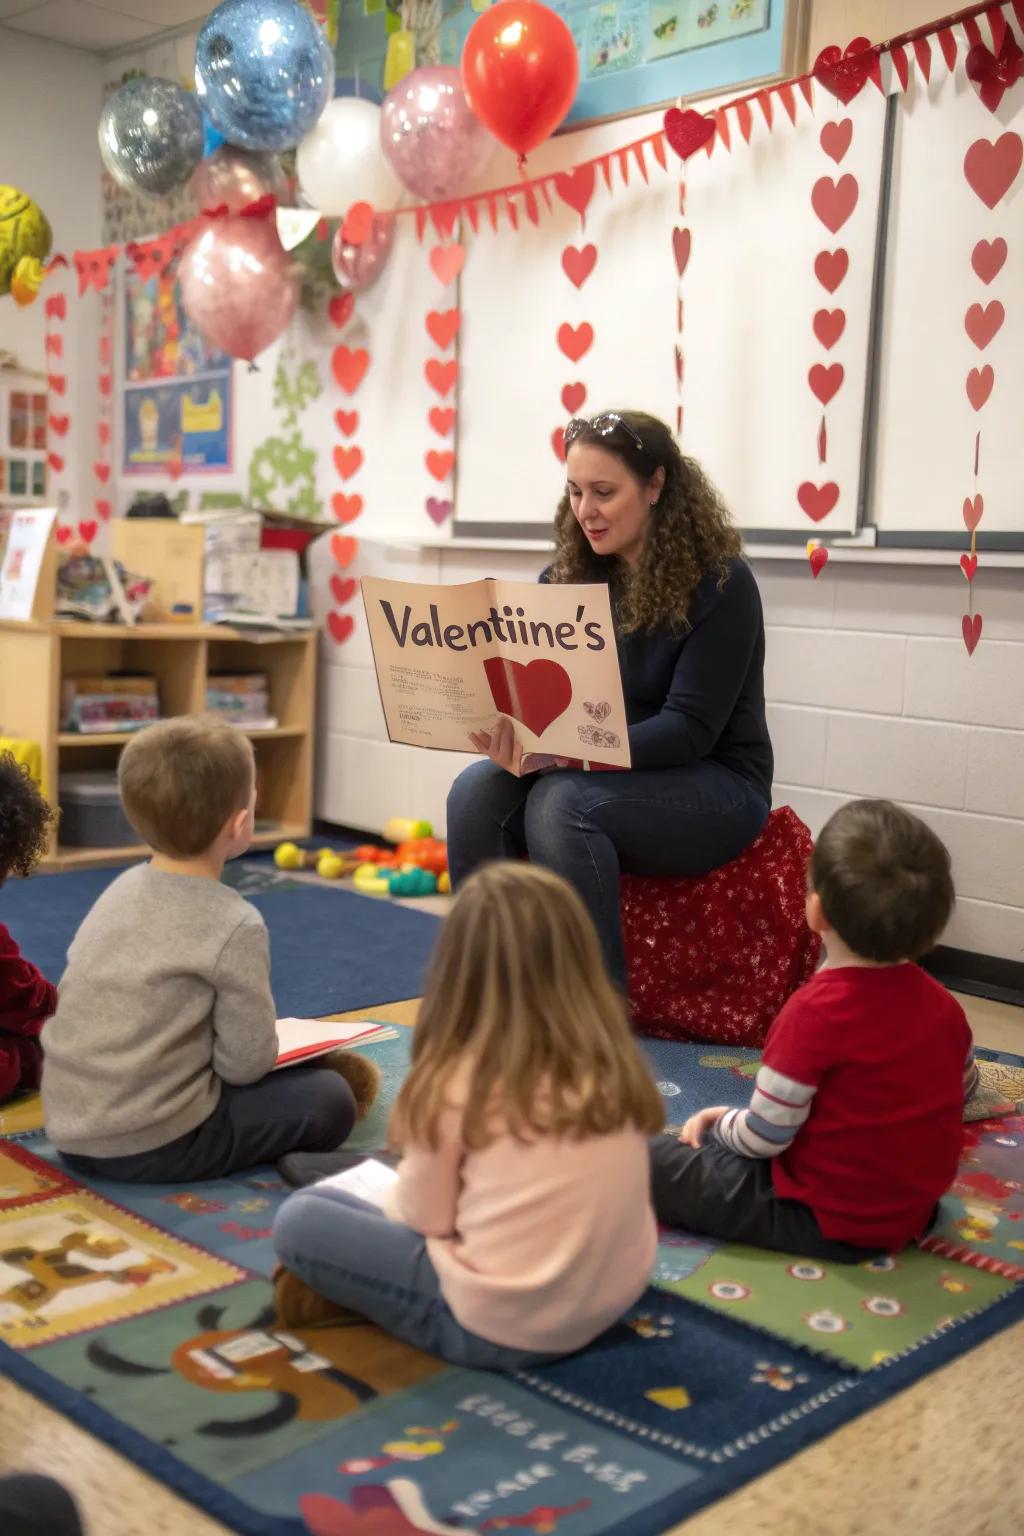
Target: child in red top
{"type": "Point", "coordinates": [27, 999]}
{"type": "Point", "coordinates": [854, 1131]}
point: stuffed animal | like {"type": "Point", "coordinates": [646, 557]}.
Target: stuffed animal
{"type": "Point", "coordinates": [25, 240]}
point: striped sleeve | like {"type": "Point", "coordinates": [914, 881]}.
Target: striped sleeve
{"type": "Point", "coordinates": [972, 1077]}
{"type": "Point", "coordinates": [777, 1110]}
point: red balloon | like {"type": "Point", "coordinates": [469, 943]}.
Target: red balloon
{"type": "Point", "coordinates": [520, 71]}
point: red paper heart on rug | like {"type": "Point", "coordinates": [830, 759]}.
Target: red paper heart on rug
{"type": "Point", "coordinates": [575, 340]}
{"type": "Point", "coordinates": [828, 326]}
{"type": "Point", "coordinates": [346, 508]}
{"type": "Point", "coordinates": [534, 693]}
{"type": "Point", "coordinates": [104, 509]}
{"type": "Point", "coordinates": [101, 471]}
{"type": "Point", "coordinates": [995, 73]}
{"type": "Point", "coordinates": [836, 138]}
{"type": "Point", "coordinates": [440, 465]}
{"type": "Point", "coordinates": [347, 461]}
{"type": "Point", "coordinates": [344, 549]}
{"type": "Point", "coordinates": [58, 425]}
{"type": "Point", "coordinates": [343, 588]}
{"type": "Point", "coordinates": [55, 462]}
{"type": "Point", "coordinates": [439, 509]}
{"type": "Point", "coordinates": [991, 169]}
{"type": "Point", "coordinates": [62, 533]}
{"type": "Point", "coordinates": [87, 531]}
{"type": "Point", "coordinates": [341, 626]}
{"type": "Point", "coordinates": [845, 74]}
{"type": "Point", "coordinates": [578, 263]}
{"type": "Point", "coordinates": [576, 187]}
{"type": "Point", "coordinates": [688, 131]}
{"type": "Point", "coordinates": [442, 326]}
{"type": "Point", "coordinates": [341, 308]}
{"type": "Point", "coordinates": [830, 267]}
{"type": "Point", "coordinates": [56, 307]}
{"type": "Point", "coordinates": [819, 559]}
{"type": "Point", "coordinates": [441, 376]}
{"type": "Point", "coordinates": [558, 444]}
{"type": "Point", "coordinates": [834, 201]}
{"type": "Point", "coordinates": [817, 500]}
{"type": "Point", "coordinates": [825, 382]}
{"type": "Point", "coordinates": [346, 421]}
{"type": "Point", "coordinates": [446, 262]}
{"type": "Point", "coordinates": [349, 367]}
{"type": "Point", "coordinates": [982, 322]}
{"type": "Point", "coordinates": [974, 511]}
{"type": "Point", "coordinates": [979, 384]}
{"type": "Point", "coordinates": [442, 419]}
{"type": "Point", "coordinates": [988, 257]}
{"type": "Point", "coordinates": [103, 432]}
{"type": "Point", "coordinates": [56, 383]}
{"type": "Point", "coordinates": [969, 565]}
{"type": "Point", "coordinates": [681, 244]}
{"type": "Point", "coordinates": [971, 626]}
{"type": "Point", "coordinates": [358, 224]}
{"type": "Point", "coordinates": [573, 396]}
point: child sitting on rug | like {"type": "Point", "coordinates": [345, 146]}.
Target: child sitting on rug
{"type": "Point", "coordinates": [854, 1131]}
{"type": "Point", "coordinates": [520, 1224]}
{"type": "Point", "coordinates": [159, 1059]}
{"type": "Point", "coordinates": [26, 997]}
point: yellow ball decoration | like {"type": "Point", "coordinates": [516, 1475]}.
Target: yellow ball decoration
{"type": "Point", "coordinates": [25, 240]}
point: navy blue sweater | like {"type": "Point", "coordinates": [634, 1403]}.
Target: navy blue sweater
{"type": "Point", "coordinates": [698, 694]}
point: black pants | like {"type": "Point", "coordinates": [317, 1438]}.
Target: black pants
{"type": "Point", "coordinates": [717, 1192]}
{"type": "Point", "coordinates": [37, 1506]}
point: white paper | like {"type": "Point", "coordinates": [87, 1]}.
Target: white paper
{"type": "Point", "coordinates": [27, 539]}
{"type": "Point", "coordinates": [297, 1034]}
{"type": "Point", "coordinates": [369, 1181]}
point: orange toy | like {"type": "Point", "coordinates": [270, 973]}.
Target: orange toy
{"type": "Point", "coordinates": [427, 853]}
{"type": "Point", "coordinates": [369, 853]}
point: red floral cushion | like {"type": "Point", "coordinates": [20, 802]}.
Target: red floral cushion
{"type": "Point", "coordinates": [716, 956]}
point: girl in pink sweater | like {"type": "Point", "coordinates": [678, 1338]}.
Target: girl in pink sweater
{"type": "Point", "coordinates": [520, 1224]}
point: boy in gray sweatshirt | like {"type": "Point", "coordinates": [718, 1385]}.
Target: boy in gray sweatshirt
{"type": "Point", "coordinates": [159, 1059]}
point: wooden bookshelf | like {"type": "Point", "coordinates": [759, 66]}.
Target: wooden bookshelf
{"type": "Point", "coordinates": [35, 655]}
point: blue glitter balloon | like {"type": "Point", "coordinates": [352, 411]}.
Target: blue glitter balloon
{"type": "Point", "coordinates": [264, 72]}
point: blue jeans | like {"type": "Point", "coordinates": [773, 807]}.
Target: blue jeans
{"type": "Point", "coordinates": [593, 827]}
{"type": "Point", "coordinates": [350, 1252]}
{"type": "Point", "coordinates": [301, 1109]}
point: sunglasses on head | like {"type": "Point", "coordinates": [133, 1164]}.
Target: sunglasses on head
{"type": "Point", "coordinates": [604, 426]}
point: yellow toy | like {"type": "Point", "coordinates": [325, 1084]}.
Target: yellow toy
{"type": "Point", "coordinates": [370, 880]}
{"type": "Point", "coordinates": [400, 829]}
{"type": "Point", "coordinates": [25, 240]}
{"type": "Point", "coordinates": [444, 884]}
{"type": "Point", "coordinates": [331, 866]}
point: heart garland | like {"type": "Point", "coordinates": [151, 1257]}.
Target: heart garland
{"type": "Point", "coordinates": [682, 248]}
{"type": "Point", "coordinates": [446, 263]}
{"type": "Point", "coordinates": [578, 262]}
{"type": "Point", "coordinates": [349, 366]}
{"type": "Point", "coordinates": [103, 463]}
{"type": "Point", "coordinates": [55, 310]}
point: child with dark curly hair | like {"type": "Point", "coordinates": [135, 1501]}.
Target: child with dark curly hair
{"type": "Point", "coordinates": [27, 999]}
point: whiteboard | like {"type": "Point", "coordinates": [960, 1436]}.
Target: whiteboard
{"type": "Point", "coordinates": [927, 426]}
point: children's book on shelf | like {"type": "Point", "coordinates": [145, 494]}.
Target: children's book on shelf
{"type": "Point", "coordinates": [455, 659]}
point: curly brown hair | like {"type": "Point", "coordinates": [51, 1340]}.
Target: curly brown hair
{"type": "Point", "coordinates": [25, 819]}
{"type": "Point", "coordinates": [689, 535]}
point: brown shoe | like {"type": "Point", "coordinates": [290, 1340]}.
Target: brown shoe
{"type": "Point", "coordinates": [297, 1305]}
{"type": "Point", "coordinates": [362, 1075]}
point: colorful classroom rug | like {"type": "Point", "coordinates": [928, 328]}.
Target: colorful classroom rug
{"type": "Point", "coordinates": [143, 1314]}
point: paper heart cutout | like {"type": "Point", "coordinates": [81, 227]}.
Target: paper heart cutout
{"type": "Point", "coordinates": [828, 325]}
{"type": "Point", "coordinates": [846, 73]}
{"type": "Point", "coordinates": [836, 138]}
{"type": "Point", "coordinates": [576, 187]}
{"type": "Point", "coordinates": [971, 627]}
{"type": "Point", "coordinates": [441, 376]}
{"type": "Point", "coordinates": [55, 462]}
{"type": "Point", "coordinates": [817, 500]}
{"type": "Point", "coordinates": [979, 384]}
{"type": "Point", "coordinates": [346, 508]}
{"type": "Point", "coordinates": [681, 244]}
{"type": "Point", "coordinates": [819, 559]}
{"type": "Point", "coordinates": [446, 262]}
{"type": "Point", "coordinates": [344, 549]}
{"type": "Point", "coordinates": [56, 383]}
{"type": "Point", "coordinates": [56, 307]}
{"type": "Point", "coordinates": [688, 131]}
{"type": "Point", "coordinates": [442, 419]}
{"type": "Point", "coordinates": [103, 432]}
{"type": "Point", "coordinates": [599, 711]}
{"type": "Point", "coordinates": [991, 168]}
{"type": "Point", "coordinates": [87, 531]}
{"type": "Point", "coordinates": [343, 588]}
{"type": "Point", "coordinates": [995, 73]}
{"type": "Point", "coordinates": [834, 201]}
{"type": "Point", "coordinates": [442, 326]}
{"type": "Point", "coordinates": [439, 509]}
{"type": "Point", "coordinates": [974, 511]}
{"type": "Point", "coordinates": [573, 396]}
{"type": "Point", "coordinates": [54, 346]}
{"type": "Point", "coordinates": [578, 263]}
{"type": "Point", "coordinates": [575, 341]}
{"type": "Point", "coordinates": [58, 425]}
{"type": "Point", "coordinates": [988, 257]}
{"type": "Point", "coordinates": [349, 367]}
{"type": "Point", "coordinates": [62, 533]}
{"type": "Point", "coordinates": [341, 308]}
{"type": "Point", "coordinates": [969, 565]}
{"type": "Point", "coordinates": [558, 444]}
{"type": "Point", "coordinates": [105, 349]}
{"type": "Point", "coordinates": [825, 382]}
{"type": "Point", "coordinates": [535, 693]}
{"type": "Point", "coordinates": [440, 465]}
{"type": "Point", "coordinates": [341, 626]}
{"type": "Point", "coordinates": [982, 322]}
{"type": "Point", "coordinates": [104, 509]}
{"type": "Point", "coordinates": [101, 471]}
{"type": "Point", "coordinates": [347, 461]}
{"type": "Point", "coordinates": [346, 421]}
{"type": "Point", "coordinates": [830, 267]}
{"type": "Point", "coordinates": [358, 224]}
{"type": "Point", "coordinates": [106, 383]}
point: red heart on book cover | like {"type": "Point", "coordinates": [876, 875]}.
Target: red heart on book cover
{"type": "Point", "coordinates": [341, 626]}
{"type": "Point", "coordinates": [343, 589]}
{"type": "Point", "coordinates": [688, 131]}
{"type": "Point", "coordinates": [575, 340]}
{"type": "Point", "coordinates": [834, 201]}
{"type": "Point", "coordinates": [971, 626]}
{"type": "Point", "coordinates": [533, 692]}
{"type": "Point", "coordinates": [991, 169]}
{"type": "Point", "coordinates": [817, 500]}
{"type": "Point", "coordinates": [830, 267]}
{"type": "Point", "coordinates": [982, 321]}
{"type": "Point", "coordinates": [988, 257]}
{"type": "Point", "coordinates": [836, 138]}
{"type": "Point", "coordinates": [578, 263]}
{"type": "Point", "coordinates": [573, 396]}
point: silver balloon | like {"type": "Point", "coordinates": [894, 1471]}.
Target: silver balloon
{"type": "Point", "coordinates": [236, 178]}
{"type": "Point", "coordinates": [151, 136]}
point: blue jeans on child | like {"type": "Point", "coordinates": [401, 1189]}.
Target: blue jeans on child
{"type": "Point", "coordinates": [592, 827]}
{"type": "Point", "coordinates": [301, 1109]}
{"type": "Point", "coordinates": [350, 1252]}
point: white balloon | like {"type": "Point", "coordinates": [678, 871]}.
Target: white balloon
{"type": "Point", "coordinates": [340, 161]}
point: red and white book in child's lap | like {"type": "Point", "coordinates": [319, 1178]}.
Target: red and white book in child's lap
{"type": "Point", "coordinates": [304, 1039]}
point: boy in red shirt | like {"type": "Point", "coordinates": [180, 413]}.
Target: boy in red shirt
{"type": "Point", "coordinates": [853, 1132]}
{"type": "Point", "coordinates": [27, 999]}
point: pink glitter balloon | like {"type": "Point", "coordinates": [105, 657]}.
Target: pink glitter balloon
{"type": "Point", "coordinates": [430, 138]}
{"type": "Point", "coordinates": [357, 267]}
{"type": "Point", "coordinates": [239, 284]}
{"type": "Point", "coordinates": [235, 178]}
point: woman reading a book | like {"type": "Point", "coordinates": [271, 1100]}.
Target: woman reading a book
{"type": "Point", "coordinates": [639, 516]}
